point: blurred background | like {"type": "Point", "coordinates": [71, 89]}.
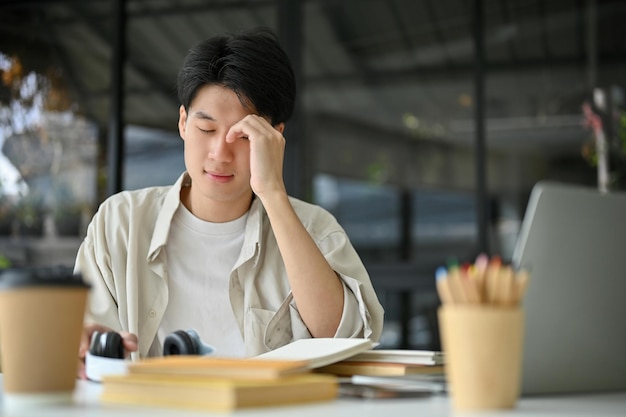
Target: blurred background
{"type": "Point", "coordinates": [422, 125]}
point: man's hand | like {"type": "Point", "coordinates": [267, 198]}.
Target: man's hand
{"type": "Point", "coordinates": [267, 150]}
{"type": "Point", "coordinates": [129, 340]}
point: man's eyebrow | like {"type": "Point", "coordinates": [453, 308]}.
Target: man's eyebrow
{"type": "Point", "coordinates": [202, 115]}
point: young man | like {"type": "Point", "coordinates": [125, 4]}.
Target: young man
{"type": "Point", "coordinates": [225, 250]}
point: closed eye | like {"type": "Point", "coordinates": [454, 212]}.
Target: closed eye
{"type": "Point", "coordinates": [206, 131]}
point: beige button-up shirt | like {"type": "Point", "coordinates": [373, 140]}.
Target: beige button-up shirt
{"type": "Point", "coordinates": [123, 257]}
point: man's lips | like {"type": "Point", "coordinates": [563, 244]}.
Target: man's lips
{"type": "Point", "coordinates": [218, 176]}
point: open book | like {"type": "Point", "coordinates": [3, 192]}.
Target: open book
{"type": "Point", "coordinates": [320, 351]}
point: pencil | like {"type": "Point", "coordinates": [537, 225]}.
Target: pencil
{"type": "Point", "coordinates": [456, 285]}
{"type": "Point", "coordinates": [491, 280]}
{"type": "Point", "coordinates": [505, 290]}
{"type": "Point", "coordinates": [443, 288]}
{"type": "Point", "coordinates": [470, 286]}
{"type": "Point", "coordinates": [480, 268]}
{"type": "Point", "coordinates": [486, 281]}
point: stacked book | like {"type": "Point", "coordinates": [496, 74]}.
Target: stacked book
{"type": "Point", "coordinates": [305, 371]}
{"type": "Point", "coordinates": [366, 372]}
{"type": "Point", "coordinates": [217, 384]}
{"type": "Point", "coordinates": [347, 357]}
{"type": "Point", "coordinates": [388, 363]}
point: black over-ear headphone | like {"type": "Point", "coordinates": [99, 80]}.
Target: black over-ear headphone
{"type": "Point", "coordinates": [180, 342]}
{"type": "Point", "coordinates": [107, 344]}
{"type": "Point", "coordinates": [185, 342]}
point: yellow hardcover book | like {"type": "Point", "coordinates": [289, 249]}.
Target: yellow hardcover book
{"type": "Point", "coordinates": [349, 368]}
{"type": "Point", "coordinates": [216, 394]}
{"type": "Point", "coordinates": [218, 367]}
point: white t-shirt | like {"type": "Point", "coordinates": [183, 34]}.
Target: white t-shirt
{"type": "Point", "coordinates": [200, 258]}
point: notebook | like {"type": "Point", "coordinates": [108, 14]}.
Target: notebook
{"type": "Point", "coordinates": [573, 241]}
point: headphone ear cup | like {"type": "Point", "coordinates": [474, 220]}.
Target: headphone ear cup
{"type": "Point", "coordinates": [201, 348]}
{"type": "Point", "coordinates": [179, 343]}
{"type": "Point", "coordinates": [107, 344]}
{"type": "Point", "coordinates": [185, 342]}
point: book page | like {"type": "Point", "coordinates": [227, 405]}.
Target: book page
{"type": "Point", "coordinates": [321, 351]}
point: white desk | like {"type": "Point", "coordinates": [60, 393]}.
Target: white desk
{"type": "Point", "coordinates": [86, 404]}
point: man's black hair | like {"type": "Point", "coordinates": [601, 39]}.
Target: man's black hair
{"type": "Point", "coordinates": [252, 64]}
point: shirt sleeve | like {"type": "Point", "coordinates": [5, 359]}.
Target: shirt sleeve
{"type": "Point", "coordinates": [350, 325]}
{"type": "Point", "coordinates": [362, 314]}
{"type": "Point", "coordinates": [92, 264]}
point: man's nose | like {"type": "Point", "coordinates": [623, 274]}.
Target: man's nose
{"type": "Point", "coordinates": [221, 150]}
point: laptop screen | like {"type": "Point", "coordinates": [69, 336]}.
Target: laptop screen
{"type": "Point", "coordinates": [573, 242]}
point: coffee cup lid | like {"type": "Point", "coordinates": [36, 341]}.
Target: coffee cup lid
{"type": "Point", "coordinates": [40, 276]}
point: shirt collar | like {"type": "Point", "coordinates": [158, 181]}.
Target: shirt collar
{"type": "Point", "coordinates": [254, 223]}
{"type": "Point", "coordinates": [164, 219]}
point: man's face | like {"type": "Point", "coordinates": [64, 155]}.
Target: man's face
{"type": "Point", "coordinates": [220, 171]}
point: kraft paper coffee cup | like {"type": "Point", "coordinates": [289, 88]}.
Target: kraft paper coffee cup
{"type": "Point", "coordinates": [41, 322]}
{"type": "Point", "coordinates": [483, 348]}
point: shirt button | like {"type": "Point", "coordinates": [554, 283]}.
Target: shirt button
{"type": "Point", "coordinates": [152, 314]}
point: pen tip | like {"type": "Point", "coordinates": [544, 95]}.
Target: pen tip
{"type": "Point", "coordinates": [441, 273]}
{"type": "Point", "coordinates": [452, 262]}
{"type": "Point", "coordinates": [481, 259]}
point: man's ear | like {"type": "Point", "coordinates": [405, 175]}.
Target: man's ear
{"type": "Point", "coordinates": [182, 121]}
{"type": "Point", "coordinates": [280, 127]}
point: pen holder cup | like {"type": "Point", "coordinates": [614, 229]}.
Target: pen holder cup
{"type": "Point", "coordinates": [483, 348]}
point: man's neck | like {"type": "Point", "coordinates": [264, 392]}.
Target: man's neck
{"type": "Point", "coordinates": [214, 211]}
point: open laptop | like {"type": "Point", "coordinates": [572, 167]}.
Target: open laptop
{"type": "Point", "coordinates": [573, 242]}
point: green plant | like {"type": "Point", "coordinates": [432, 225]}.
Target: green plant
{"type": "Point", "coordinates": [4, 262]}
{"type": "Point", "coordinates": [30, 214]}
